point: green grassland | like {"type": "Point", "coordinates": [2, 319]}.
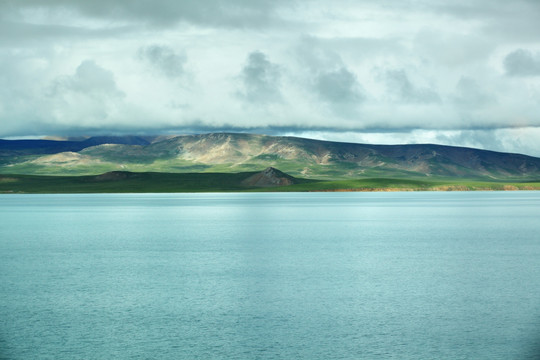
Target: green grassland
{"type": "Point", "coordinates": [327, 172]}
{"type": "Point", "coordinates": [302, 158]}
{"type": "Point", "coordinates": [390, 184]}
{"type": "Point", "coordinates": [149, 182]}
{"type": "Point", "coordinates": [154, 182]}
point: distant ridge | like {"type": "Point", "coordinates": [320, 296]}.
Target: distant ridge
{"type": "Point", "coordinates": [234, 153]}
{"type": "Point", "coordinates": [37, 146]}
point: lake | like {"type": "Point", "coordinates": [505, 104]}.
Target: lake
{"type": "Point", "coordinates": [423, 275]}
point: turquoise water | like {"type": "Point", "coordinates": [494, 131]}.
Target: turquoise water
{"type": "Point", "coordinates": [270, 276]}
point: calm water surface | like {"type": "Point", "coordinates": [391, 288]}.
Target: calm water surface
{"type": "Point", "coordinates": [270, 276]}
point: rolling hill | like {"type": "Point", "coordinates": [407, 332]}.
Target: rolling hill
{"type": "Point", "coordinates": [233, 153]}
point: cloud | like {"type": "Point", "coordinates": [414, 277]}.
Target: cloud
{"type": "Point", "coordinates": [469, 94]}
{"type": "Point", "coordinates": [521, 140]}
{"type": "Point", "coordinates": [164, 59]}
{"type": "Point", "coordinates": [452, 49]}
{"type": "Point", "coordinates": [89, 80]}
{"type": "Point", "coordinates": [315, 55]}
{"type": "Point", "coordinates": [89, 97]}
{"type": "Point", "coordinates": [225, 13]}
{"type": "Point", "coordinates": [21, 33]}
{"type": "Point", "coordinates": [502, 20]}
{"type": "Point", "coordinates": [260, 80]}
{"type": "Point", "coordinates": [328, 77]}
{"type": "Point", "coordinates": [437, 67]}
{"type": "Point", "coordinates": [403, 90]}
{"type": "Point", "coordinates": [359, 47]}
{"type": "Point", "coordinates": [38, 102]}
{"type": "Point", "coordinates": [522, 63]}
{"type": "Point", "coordinates": [338, 86]}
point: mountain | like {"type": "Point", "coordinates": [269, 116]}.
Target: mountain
{"type": "Point", "coordinates": [231, 152]}
{"type": "Point", "coordinates": [36, 147]}
{"type": "Point", "coordinates": [270, 177]}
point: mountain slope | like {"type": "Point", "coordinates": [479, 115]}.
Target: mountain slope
{"type": "Point", "coordinates": [269, 177]}
{"type": "Point", "coordinates": [35, 147]}
{"type": "Point", "coordinates": [229, 152]}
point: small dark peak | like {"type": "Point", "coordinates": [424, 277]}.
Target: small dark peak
{"type": "Point", "coordinates": [269, 177]}
{"type": "Point", "coordinates": [114, 176]}
{"type": "Point", "coordinates": [270, 171]}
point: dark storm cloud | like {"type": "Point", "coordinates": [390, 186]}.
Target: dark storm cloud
{"type": "Point", "coordinates": [522, 63]}
{"type": "Point", "coordinates": [402, 89]}
{"type": "Point", "coordinates": [164, 59]}
{"type": "Point", "coordinates": [260, 79]}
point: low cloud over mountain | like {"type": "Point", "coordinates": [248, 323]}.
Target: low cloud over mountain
{"type": "Point", "coordinates": [390, 71]}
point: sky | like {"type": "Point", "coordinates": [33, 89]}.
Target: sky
{"type": "Point", "coordinates": [461, 72]}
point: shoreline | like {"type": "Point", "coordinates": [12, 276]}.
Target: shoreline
{"type": "Point", "coordinates": [266, 191]}
{"type": "Point", "coordinates": [125, 182]}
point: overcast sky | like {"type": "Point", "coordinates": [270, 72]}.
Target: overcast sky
{"type": "Point", "coordinates": [460, 72]}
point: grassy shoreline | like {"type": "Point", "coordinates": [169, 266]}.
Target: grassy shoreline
{"type": "Point", "coordinates": [151, 182]}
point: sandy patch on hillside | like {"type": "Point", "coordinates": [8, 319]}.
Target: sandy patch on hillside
{"type": "Point", "coordinates": [65, 159]}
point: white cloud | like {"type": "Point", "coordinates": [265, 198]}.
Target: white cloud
{"type": "Point", "coordinates": [260, 80]}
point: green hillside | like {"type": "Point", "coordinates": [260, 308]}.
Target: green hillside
{"type": "Point", "coordinates": [151, 182]}
{"type": "Point", "coordinates": [235, 153]}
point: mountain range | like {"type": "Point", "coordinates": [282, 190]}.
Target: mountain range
{"type": "Point", "coordinates": [239, 152]}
